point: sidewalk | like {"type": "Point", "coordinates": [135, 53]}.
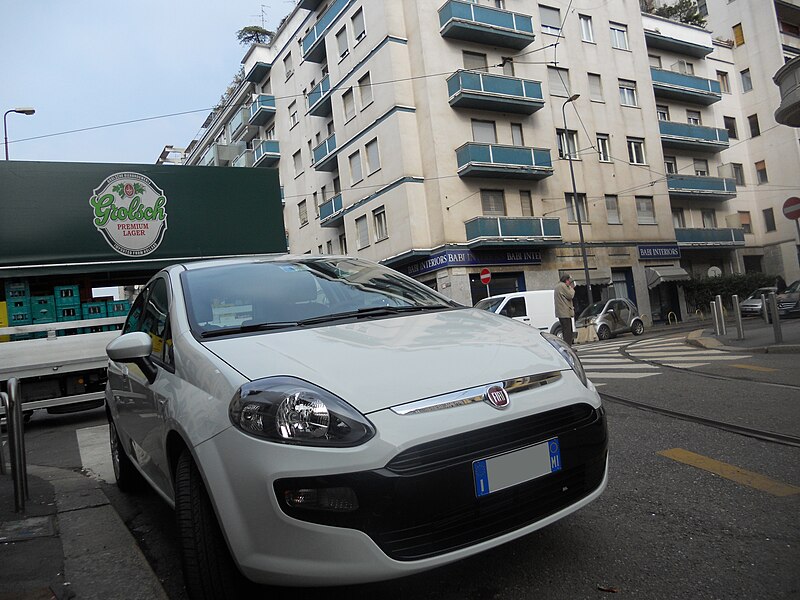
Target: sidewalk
{"type": "Point", "coordinates": [69, 542]}
{"type": "Point", "coordinates": [759, 337]}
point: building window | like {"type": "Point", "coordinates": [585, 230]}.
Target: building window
{"type": "Point", "coordinates": [355, 167]}
{"type": "Point", "coordinates": [288, 66]}
{"type": "Point", "coordinates": [567, 143]}
{"type": "Point", "coordinates": [761, 172]}
{"type": "Point", "coordinates": [769, 219]}
{"type": "Point", "coordinates": [551, 20]}
{"type": "Point", "coordinates": [655, 61]}
{"type": "Point", "coordinates": [572, 216]}
{"type": "Point", "coordinates": [362, 230]}
{"type": "Point", "coordinates": [315, 198]}
{"type": "Point", "coordinates": [595, 87]}
{"type": "Point", "coordinates": [349, 105]}
{"type": "Point", "coordinates": [603, 150]}
{"type": "Point", "coordinates": [526, 203]}
{"type": "Point", "coordinates": [619, 36]}
{"type": "Point", "coordinates": [744, 219]}
{"type": "Point", "coordinates": [343, 243]}
{"type": "Point", "coordinates": [517, 139]}
{"type": "Point", "coordinates": [329, 247]}
{"type": "Point", "coordinates": [293, 115]}
{"type": "Point", "coordinates": [709, 218]}
{"type": "Point", "coordinates": [645, 212]}
{"type": "Point", "coordinates": [701, 167]}
{"type": "Point", "coordinates": [636, 151]}
{"type": "Point", "coordinates": [724, 82]}
{"type": "Point", "coordinates": [379, 219]}
{"type": "Point", "coordinates": [558, 80]}
{"type": "Point", "coordinates": [341, 42]}
{"type": "Point", "coordinates": [684, 67]}
{"type": "Point", "coordinates": [730, 125]}
{"type": "Point", "coordinates": [663, 112]}
{"type": "Point", "coordinates": [493, 203]}
{"type": "Point", "coordinates": [612, 210]}
{"type": "Point", "coordinates": [587, 33]}
{"type": "Point", "coordinates": [678, 220]}
{"type": "Point", "coordinates": [373, 158]}
{"type": "Point", "coordinates": [747, 82]}
{"type": "Point", "coordinates": [627, 93]}
{"type": "Point", "coordinates": [298, 163]}
{"type": "Point", "coordinates": [755, 130]}
{"type": "Point", "coordinates": [693, 117]}
{"type": "Point", "coordinates": [474, 61]}
{"type": "Point", "coordinates": [365, 89]}
{"type": "Point", "coordinates": [484, 131]}
{"type": "Point", "coordinates": [508, 65]}
{"type": "Point", "coordinates": [359, 30]}
{"type": "Point", "coordinates": [302, 212]}
{"type": "Point", "coordinates": [670, 165]}
{"type": "Point", "coordinates": [738, 173]}
{"type": "Point", "coordinates": [738, 34]}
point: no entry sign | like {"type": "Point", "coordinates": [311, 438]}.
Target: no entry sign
{"type": "Point", "coordinates": [791, 208]}
{"type": "Point", "coordinates": [486, 276]}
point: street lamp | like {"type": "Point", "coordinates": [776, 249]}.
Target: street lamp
{"type": "Point", "coordinates": [568, 152]}
{"type": "Point", "coordinates": [22, 111]}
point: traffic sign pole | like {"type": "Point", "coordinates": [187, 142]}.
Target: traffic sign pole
{"type": "Point", "coordinates": [486, 277]}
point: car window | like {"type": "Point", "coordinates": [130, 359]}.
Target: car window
{"type": "Point", "coordinates": [514, 308]}
{"type": "Point", "coordinates": [795, 287]}
{"type": "Point", "coordinates": [489, 304]}
{"type": "Point", "coordinates": [154, 318]}
{"type": "Point", "coordinates": [135, 314]}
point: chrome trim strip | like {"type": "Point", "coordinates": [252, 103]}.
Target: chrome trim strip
{"type": "Point", "coordinates": [475, 394]}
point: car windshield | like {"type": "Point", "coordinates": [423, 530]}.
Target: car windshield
{"type": "Point", "coordinates": [795, 287]}
{"type": "Point", "coordinates": [757, 294]}
{"type": "Point", "coordinates": [490, 304]}
{"type": "Point", "coordinates": [592, 310]}
{"type": "Point", "coordinates": [279, 294]}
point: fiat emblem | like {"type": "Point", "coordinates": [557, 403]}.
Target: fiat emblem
{"type": "Point", "coordinates": [497, 396]}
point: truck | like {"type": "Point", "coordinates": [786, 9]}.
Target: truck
{"type": "Point", "coordinates": [72, 231]}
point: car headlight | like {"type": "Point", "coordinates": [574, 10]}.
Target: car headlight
{"type": "Point", "coordinates": [293, 411]}
{"type": "Point", "coordinates": [592, 320]}
{"type": "Point", "coordinates": [569, 355]}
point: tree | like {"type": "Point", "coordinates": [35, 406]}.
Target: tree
{"type": "Point", "coordinates": [684, 11]}
{"type": "Point", "coordinates": [253, 34]}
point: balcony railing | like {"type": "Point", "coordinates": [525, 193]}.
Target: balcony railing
{"type": "Point", "coordinates": [694, 186]}
{"type": "Point", "coordinates": [262, 110]}
{"type": "Point", "coordinates": [319, 98]}
{"type": "Point", "coordinates": [330, 212]}
{"type": "Point", "coordinates": [266, 154]}
{"type": "Point", "coordinates": [314, 41]}
{"type": "Point", "coordinates": [787, 78]}
{"type": "Point", "coordinates": [474, 89]}
{"type": "Point", "coordinates": [485, 25]}
{"type": "Point", "coordinates": [693, 137]}
{"type": "Point", "coordinates": [245, 159]}
{"type": "Point", "coordinates": [497, 230]}
{"type": "Point", "coordinates": [723, 236]}
{"type": "Point", "coordinates": [238, 121]}
{"type": "Point", "coordinates": [687, 88]}
{"type": "Point", "coordinates": [324, 159]}
{"type": "Point", "coordinates": [476, 159]}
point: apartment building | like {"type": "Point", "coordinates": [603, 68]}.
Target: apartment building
{"type": "Point", "coordinates": [441, 138]}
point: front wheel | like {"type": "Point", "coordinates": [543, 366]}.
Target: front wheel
{"type": "Point", "coordinates": [603, 332]}
{"type": "Point", "coordinates": [208, 568]}
{"type": "Point", "coordinates": [638, 328]}
{"type": "Point", "coordinates": [128, 478]}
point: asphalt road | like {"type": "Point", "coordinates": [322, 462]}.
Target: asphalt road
{"type": "Point", "coordinates": [663, 529]}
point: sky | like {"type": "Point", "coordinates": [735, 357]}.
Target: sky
{"type": "Point", "coordinates": [88, 63]}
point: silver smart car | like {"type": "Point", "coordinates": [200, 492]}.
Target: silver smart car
{"type": "Point", "coordinates": [610, 318]}
{"type": "Point", "coordinates": [326, 420]}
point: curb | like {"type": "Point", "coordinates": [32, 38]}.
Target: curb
{"type": "Point", "coordinates": [695, 338]}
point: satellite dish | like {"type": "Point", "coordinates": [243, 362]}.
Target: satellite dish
{"type": "Point", "coordinates": [714, 272]}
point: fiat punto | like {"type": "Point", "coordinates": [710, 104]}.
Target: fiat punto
{"type": "Point", "coordinates": [326, 420]}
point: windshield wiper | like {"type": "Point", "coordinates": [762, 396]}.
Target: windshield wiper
{"type": "Point", "coordinates": [372, 311]}
{"type": "Point", "coordinates": [248, 328]}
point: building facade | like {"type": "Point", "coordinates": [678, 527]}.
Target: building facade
{"type": "Point", "coordinates": [441, 139]}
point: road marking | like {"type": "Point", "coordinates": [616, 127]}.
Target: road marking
{"type": "Point", "coordinates": [684, 365]}
{"type": "Point", "coordinates": [95, 452]}
{"type": "Point", "coordinates": [592, 366]}
{"type": "Point", "coordinates": [731, 472]}
{"type": "Point", "coordinates": [756, 368]}
{"type": "Point", "coordinates": [590, 375]}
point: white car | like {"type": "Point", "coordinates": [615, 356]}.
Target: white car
{"type": "Point", "coordinates": [326, 420]}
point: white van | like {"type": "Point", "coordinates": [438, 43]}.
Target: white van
{"type": "Point", "coordinates": [536, 308]}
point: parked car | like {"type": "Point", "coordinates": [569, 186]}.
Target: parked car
{"type": "Point", "coordinates": [612, 317]}
{"type": "Point", "coordinates": [789, 301]}
{"type": "Point", "coordinates": [536, 308]}
{"type": "Point", "coordinates": [751, 306]}
{"type": "Point", "coordinates": [326, 420]}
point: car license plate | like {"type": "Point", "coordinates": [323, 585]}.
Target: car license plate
{"type": "Point", "coordinates": [507, 470]}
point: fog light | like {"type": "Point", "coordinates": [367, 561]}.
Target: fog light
{"type": "Point", "coordinates": [340, 499]}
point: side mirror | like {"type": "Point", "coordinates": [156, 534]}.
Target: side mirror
{"type": "Point", "coordinates": [134, 347]}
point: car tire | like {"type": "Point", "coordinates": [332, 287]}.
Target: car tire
{"type": "Point", "coordinates": [603, 332]}
{"type": "Point", "coordinates": [637, 328]}
{"type": "Point", "coordinates": [208, 569]}
{"type": "Point", "coordinates": [128, 478]}
{"type": "Point", "coordinates": [558, 332]}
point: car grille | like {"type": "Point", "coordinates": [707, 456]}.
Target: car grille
{"type": "Point", "coordinates": [423, 503]}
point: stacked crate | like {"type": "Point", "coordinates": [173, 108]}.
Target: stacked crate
{"type": "Point", "coordinates": [117, 308]}
{"type": "Point", "coordinates": [4, 321]}
{"type": "Point", "coordinates": [18, 306]}
{"type": "Point", "coordinates": [43, 310]}
{"type": "Point", "coordinates": [93, 310]}
{"type": "Point", "coordinates": [68, 303]}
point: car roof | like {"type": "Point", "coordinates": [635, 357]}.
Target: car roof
{"type": "Point", "coordinates": [249, 259]}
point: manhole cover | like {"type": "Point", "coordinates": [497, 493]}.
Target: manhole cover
{"type": "Point", "coordinates": [34, 527]}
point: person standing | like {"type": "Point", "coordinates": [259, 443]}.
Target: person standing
{"type": "Point", "coordinates": [565, 311]}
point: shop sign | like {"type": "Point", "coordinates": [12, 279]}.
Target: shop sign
{"type": "Point", "coordinates": [467, 258]}
{"type": "Point", "coordinates": [659, 252]}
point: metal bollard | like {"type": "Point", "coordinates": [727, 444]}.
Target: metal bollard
{"type": "Point", "coordinates": [776, 323]}
{"type": "Point", "coordinates": [721, 313]}
{"type": "Point", "coordinates": [715, 317]}
{"type": "Point", "coordinates": [764, 309]}
{"type": "Point", "coordinates": [16, 441]}
{"type": "Point", "coordinates": [4, 405]}
{"type": "Point", "coordinates": [737, 314]}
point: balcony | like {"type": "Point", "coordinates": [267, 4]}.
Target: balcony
{"type": "Point", "coordinates": [324, 159]}
{"type": "Point", "coordinates": [685, 88]}
{"type": "Point", "coordinates": [319, 99]}
{"type": "Point", "coordinates": [245, 159]}
{"type": "Point", "coordinates": [512, 231]}
{"type": "Point", "coordinates": [266, 154]}
{"type": "Point", "coordinates": [692, 137]}
{"type": "Point", "coordinates": [219, 155]}
{"type": "Point", "coordinates": [473, 89]}
{"type": "Point", "coordinates": [239, 126]}
{"type": "Point", "coordinates": [724, 237]}
{"type": "Point", "coordinates": [787, 78]}
{"type": "Point", "coordinates": [330, 212]}
{"type": "Point", "coordinates": [696, 187]}
{"type": "Point", "coordinates": [309, 4]}
{"type": "Point", "coordinates": [665, 41]}
{"type": "Point", "coordinates": [476, 159]}
{"type": "Point", "coordinates": [314, 41]}
{"type": "Point", "coordinates": [262, 110]}
{"type": "Point", "coordinates": [258, 72]}
{"type": "Point", "coordinates": [470, 22]}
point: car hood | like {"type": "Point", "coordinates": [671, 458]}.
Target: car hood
{"type": "Point", "coordinates": [378, 363]}
{"type": "Point", "coordinates": [751, 302]}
